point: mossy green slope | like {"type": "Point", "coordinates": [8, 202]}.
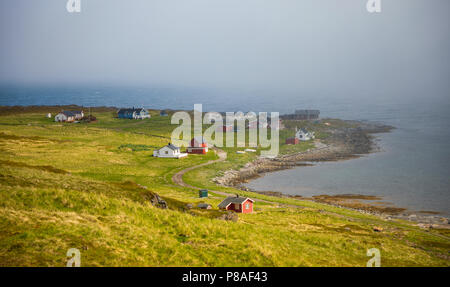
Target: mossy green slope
{"type": "Point", "coordinates": [88, 186]}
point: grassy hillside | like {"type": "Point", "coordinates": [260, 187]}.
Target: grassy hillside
{"type": "Point", "coordinates": [89, 186]}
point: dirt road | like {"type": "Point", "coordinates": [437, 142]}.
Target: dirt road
{"type": "Point", "coordinates": [178, 177]}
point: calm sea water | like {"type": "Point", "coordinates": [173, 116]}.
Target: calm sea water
{"type": "Point", "coordinates": [412, 170]}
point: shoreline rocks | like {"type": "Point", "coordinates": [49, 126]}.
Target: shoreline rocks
{"type": "Point", "coordinates": [342, 144]}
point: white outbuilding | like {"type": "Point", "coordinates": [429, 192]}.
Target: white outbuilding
{"type": "Point", "coordinates": [169, 151]}
{"type": "Point", "coordinates": [304, 135]}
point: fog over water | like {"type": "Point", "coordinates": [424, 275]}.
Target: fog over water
{"type": "Point", "coordinates": [303, 47]}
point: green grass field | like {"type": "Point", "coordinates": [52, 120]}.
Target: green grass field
{"type": "Point", "coordinates": [88, 186]}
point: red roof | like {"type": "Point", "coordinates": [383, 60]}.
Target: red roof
{"type": "Point", "coordinates": [198, 142]}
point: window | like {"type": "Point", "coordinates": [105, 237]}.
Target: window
{"type": "Point", "coordinates": [166, 152]}
{"type": "Point", "coordinates": [247, 206]}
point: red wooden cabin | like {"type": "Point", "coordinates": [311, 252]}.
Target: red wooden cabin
{"type": "Point", "coordinates": [237, 204]}
{"type": "Point", "coordinates": [292, 141]}
{"type": "Point", "coordinates": [198, 145]}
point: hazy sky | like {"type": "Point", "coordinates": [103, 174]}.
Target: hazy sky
{"type": "Point", "coordinates": [326, 46]}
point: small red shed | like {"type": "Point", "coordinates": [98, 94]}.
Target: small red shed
{"type": "Point", "coordinates": [198, 145]}
{"type": "Point", "coordinates": [237, 204]}
{"type": "Point", "coordinates": [292, 141]}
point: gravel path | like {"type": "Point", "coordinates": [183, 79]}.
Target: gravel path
{"type": "Point", "coordinates": [178, 177]}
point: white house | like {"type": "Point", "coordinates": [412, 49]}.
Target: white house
{"type": "Point", "coordinates": [304, 135]}
{"type": "Point", "coordinates": [69, 116]}
{"type": "Point", "coordinates": [169, 151]}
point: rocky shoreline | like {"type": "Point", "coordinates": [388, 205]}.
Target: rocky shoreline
{"type": "Point", "coordinates": [343, 143]}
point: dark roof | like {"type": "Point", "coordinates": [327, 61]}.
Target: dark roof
{"type": "Point", "coordinates": [130, 110]}
{"type": "Point", "coordinates": [173, 147]}
{"type": "Point", "coordinates": [68, 113]}
{"type": "Point", "coordinates": [304, 131]}
{"type": "Point", "coordinates": [233, 199]}
{"type": "Point", "coordinates": [71, 113]}
{"type": "Point", "coordinates": [307, 112]}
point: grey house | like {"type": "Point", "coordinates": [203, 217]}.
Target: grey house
{"type": "Point", "coordinates": [133, 114]}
